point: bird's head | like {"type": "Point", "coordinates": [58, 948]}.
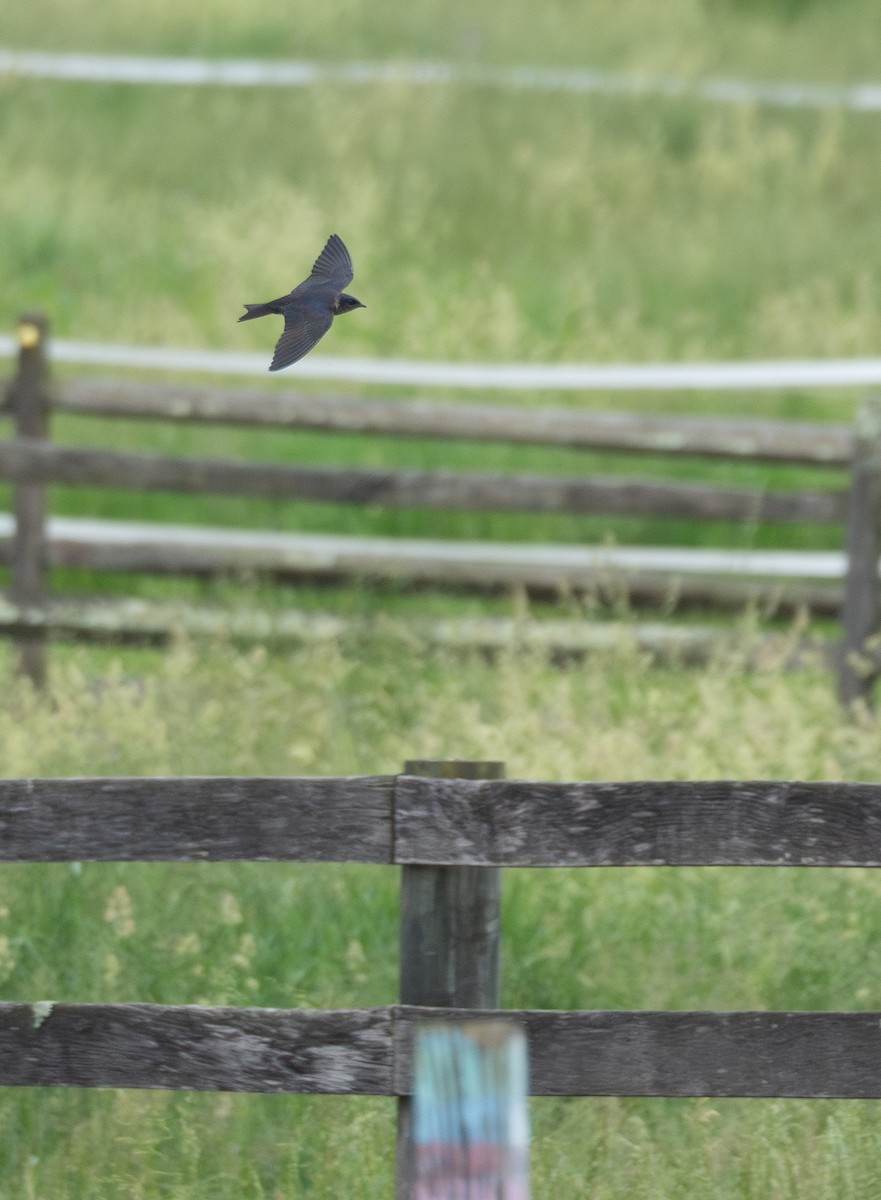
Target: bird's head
{"type": "Point", "coordinates": [345, 303]}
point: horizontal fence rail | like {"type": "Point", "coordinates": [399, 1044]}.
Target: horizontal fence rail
{"type": "Point", "coordinates": [368, 1052]}
{"type": "Point", "coordinates": [238, 72]}
{"type": "Point", "coordinates": [519, 823]}
{"type": "Point", "coordinates": [145, 622]}
{"type": "Point", "coordinates": [34, 461]}
{"type": "Point", "coordinates": [732, 579]}
{"type": "Point", "coordinates": [318, 819]}
{"type": "Point", "coordinates": [441, 822]}
{"type": "Point", "coordinates": [193, 1047]}
{"type": "Point", "coordinates": [774, 441]}
{"type": "Point", "coordinates": [661, 376]}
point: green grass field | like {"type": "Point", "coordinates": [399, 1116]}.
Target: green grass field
{"type": "Point", "coordinates": [326, 935]}
{"type": "Point", "coordinates": [484, 225]}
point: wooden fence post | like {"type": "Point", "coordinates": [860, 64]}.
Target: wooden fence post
{"type": "Point", "coordinates": [861, 616]}
{"type": "Point", "coordinates": [449, 937]}
{"type": "Point", "coordinates": [30, 409]}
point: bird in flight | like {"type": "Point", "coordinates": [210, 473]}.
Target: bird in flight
{"type": "Point", "coordinates": [310, 308]}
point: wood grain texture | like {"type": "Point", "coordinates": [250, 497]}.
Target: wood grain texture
{"type": "Point", "coordinates": [327, 819]}
{"type": "Point", "coordinates": [442, 822]}
{"type": "Point", "coordinates": [789, 441]}
{"type": "Point", "coordinates": [810, 1054]}
{"type": "Point", "coordinates": [518, 823]}
{"type": "Point", "coordinates": [369, 1051]}
{"type": "Point", "coordinates": [450, 919]}
{"type": "Point", "coordinates": [32, 461]}
{"type": "Point", "coordinates": [343, 1052]}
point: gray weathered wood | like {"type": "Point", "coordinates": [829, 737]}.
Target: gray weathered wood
{"type": "Point", "coordinates": [30, 407]}
{"type": "Point", "coordinates": [543, 570]}
{"type": "Point", "coordinates": [518, 823]}
{"type": "Point", "coordinates": [317, 819]}
{"type": "Point", "coordinates": [368, 1051]}
{"type": "Point", "coordinates": [811, 1054]}
{"type": "Point", "coordinates": [208, 1049]}
{"type": "Point", "coordinates": [449, 938]}
{"type": "Point", "coordinates": [133, 620]}
{"type": "Point", "coordinates": [450, 916]}
{"type": "Point", "coordinates": [861, 610]}
{"type": "Point", "coordinates": [33, 460]}
{"type": "Point", "coordinates": [442, 823]}
{"type": "Point", "coordinates": [789, 441]}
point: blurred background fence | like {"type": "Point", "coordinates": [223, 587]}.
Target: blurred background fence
{"type": "Point", "coordinates": [797, 578]}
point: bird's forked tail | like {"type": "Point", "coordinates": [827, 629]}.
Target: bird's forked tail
{"type": "Point", "coordinates": [256, 310]}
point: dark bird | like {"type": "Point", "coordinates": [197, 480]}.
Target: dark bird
{"type": "Point", "coordinates": [310, 308]}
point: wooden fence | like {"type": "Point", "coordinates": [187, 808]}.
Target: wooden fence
{"type": "Point", "coordinates": [32, 462]}
{"type": "Point", "coordinates": [451, 826]}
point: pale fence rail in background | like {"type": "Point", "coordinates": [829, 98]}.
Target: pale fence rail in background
{"type": "Point", "coordinates": [32, 462]}
{"type": "Point", "coordinates": [237, 72]}
{"type": "Point", "coordinates": [452, 827]}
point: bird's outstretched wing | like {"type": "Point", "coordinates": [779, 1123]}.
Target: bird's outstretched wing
{"type": "Point", "coordinates": [334, 263]}
{"type": "Point", "coordinates": [302, 329]}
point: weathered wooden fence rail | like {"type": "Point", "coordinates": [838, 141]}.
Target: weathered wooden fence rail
{"type": "Point", "coordinates": [32, 463]}
{"type": "Point", "coordinates": [28, 461]}
{"type": "Point", "coordinates": [773, 441]}
{"type": "Point", "coordinates": [415, 820]}
{"type": "Point", "coordinates": [451, 826]}
{"type": "Point", "coordinates": [366, 1052]}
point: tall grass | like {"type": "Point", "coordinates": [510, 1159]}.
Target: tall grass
{"type": "Point", "coordinates": [483, 224]}
{"type": "Point", "coordinates": [325, 935]}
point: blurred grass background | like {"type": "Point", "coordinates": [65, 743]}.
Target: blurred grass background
{"type": "Point", "coordinates": [824, 39]}
{"type": "Point", "coordinates": [484, 224]}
